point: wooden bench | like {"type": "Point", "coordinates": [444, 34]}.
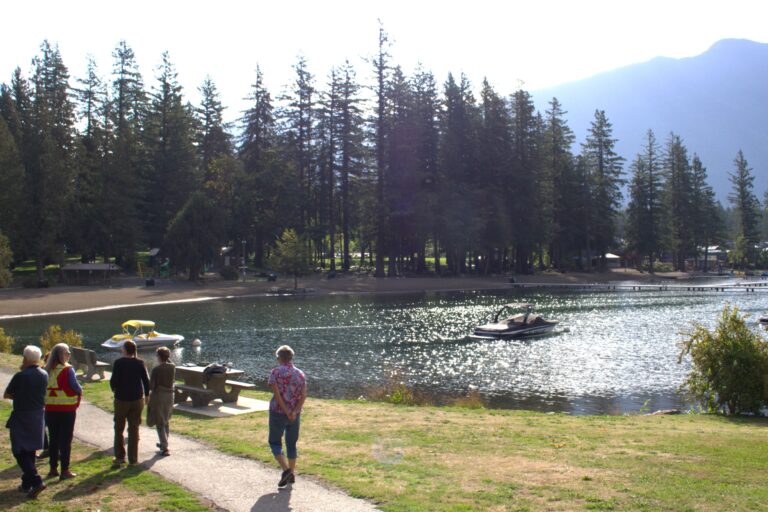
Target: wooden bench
{"type": "Point", "coordinates": [219, 387]}
{"type": "Point", "coordinates": [201, 397]}
{"type": "Point", "coordinates": [85, 360]}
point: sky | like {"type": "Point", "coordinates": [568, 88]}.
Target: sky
{"type": "Point", "coordinates": [538, 43]}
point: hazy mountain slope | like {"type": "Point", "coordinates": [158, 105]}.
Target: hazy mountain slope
{"type": "Point", "coordinates": [717, 101]}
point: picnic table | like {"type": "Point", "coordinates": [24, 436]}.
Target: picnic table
{"type": "Point", "coordinates": [202, 389]}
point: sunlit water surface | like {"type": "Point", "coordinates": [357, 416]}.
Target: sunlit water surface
{"type": "Point", "coordinates": [614, 351]}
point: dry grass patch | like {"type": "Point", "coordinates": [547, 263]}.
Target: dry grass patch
{"type": "Point", "coordinates": [457, 459]}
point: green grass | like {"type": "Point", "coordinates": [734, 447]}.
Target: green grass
{"type": "Point", "coordinates": [455, 459]}
{"type": "Point", "coordinates": [97, 487]}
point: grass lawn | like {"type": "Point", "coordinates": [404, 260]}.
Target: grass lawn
{"type": "Point", "coordinates": [448, 458]}
{"type": "Point", "coordinates": [97, 486]}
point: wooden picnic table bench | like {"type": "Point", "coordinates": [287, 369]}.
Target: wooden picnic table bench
{"type": "Point", "coordinates": [85, 360]}
{"type": "Point", "coordinates": [200, 397]}
{"type": "Point", "coordinates": [203, 389]}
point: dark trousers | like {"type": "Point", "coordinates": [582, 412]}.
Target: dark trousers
{"type": "Point", "coordinates": [61, 428]}
{"type": "Point", "coordinates": [130, 412]}
{"type": "Point", "coordinates": [29, 476]}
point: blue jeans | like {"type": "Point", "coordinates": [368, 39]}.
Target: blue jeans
{"type": "Point", "coordinates": [279, 424]}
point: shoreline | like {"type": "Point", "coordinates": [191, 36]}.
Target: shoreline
{"type": "Point", "coordinates": [129, 292]}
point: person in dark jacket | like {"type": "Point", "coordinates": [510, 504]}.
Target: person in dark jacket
{"type": "Point", "coordinates": [130, 385]}
{"type": "Point", "coordinates": [27, 422]}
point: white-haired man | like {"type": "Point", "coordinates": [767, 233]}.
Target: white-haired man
{"type": "Point", "coordinates": [289, 389]}
{"type": "Point", "coordinates": [27, 422]}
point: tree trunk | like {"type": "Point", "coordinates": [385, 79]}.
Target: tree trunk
{"type": "Point", "coordinates": [436, 251]}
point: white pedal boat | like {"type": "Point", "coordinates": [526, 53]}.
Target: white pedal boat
{"type": "Point", "coordinates": [143, 333]}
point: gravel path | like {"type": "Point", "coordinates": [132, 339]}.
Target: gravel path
{"type": "Point", "coordinates": [233, 483]}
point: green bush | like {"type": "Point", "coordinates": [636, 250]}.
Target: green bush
{"type": "Point", "coordinates": [729, 371]}
{"type": "Point", "coordinates": [6, 342]}
{"type": "Point", "coordinates": [658, 266]}
{"type": "Point", "coordinates": [54, 335]}
{"type": "Point", "coordinates": [229, 273]}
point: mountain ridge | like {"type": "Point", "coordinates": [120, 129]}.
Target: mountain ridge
{"type": "Point", "coordinates": [716, 101]}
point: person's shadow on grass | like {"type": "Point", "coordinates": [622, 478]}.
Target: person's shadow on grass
{"type": "Point", "coordinates": [11, 497]}
{"type": "Point", "coordinates": [105, 477]}
{"type": "Point", "coordinates": [274, 502]}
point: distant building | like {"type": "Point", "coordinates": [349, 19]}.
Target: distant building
{"type": "Point", "coordinates": [612, 260]}
{"type": "Point", "coordinates": [715, 257]}
{"type": "Point", "coordinates": [89, 274]}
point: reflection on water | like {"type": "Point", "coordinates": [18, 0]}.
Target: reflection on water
{"type": "Point", "coordinates": [618, 350]}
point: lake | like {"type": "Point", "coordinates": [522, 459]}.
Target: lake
{"type": "Point", "coordinates": [615, 351]}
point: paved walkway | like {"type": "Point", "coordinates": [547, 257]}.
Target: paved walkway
{"type": "Point", "coordinates": [233, 483]}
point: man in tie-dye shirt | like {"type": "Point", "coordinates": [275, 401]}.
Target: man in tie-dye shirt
{"type": "Point", "coordinates": [289, 388]}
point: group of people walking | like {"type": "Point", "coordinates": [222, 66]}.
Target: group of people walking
{"type": "Point", "coordinates": [49, 397]}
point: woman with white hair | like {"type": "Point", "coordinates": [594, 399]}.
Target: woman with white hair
{"type": "Point", "coordinates": [61, 403]}
{"type": "Point", "coordinates": [289, 388]}
{"type": "Point", "coordinates": [27, 421]}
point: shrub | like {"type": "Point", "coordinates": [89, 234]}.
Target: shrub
{"type": "Point", "coordinates": [398, 393]}
{"type": "Point", "coordinates": [6, 342]}
{"type": "Point", "coordinates": [54, 335]}
{"type": "Point", "coordinates": [729, 371]}
{"type": "Point", "coordinates": [229, 273]}
{"type": "Point", "coordinates": [473, 400]}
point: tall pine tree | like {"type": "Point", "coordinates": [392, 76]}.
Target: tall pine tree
{"type": "Point", "coordinates": [746, 205]}
{"type": "Point", "coordinates": [604, 168]}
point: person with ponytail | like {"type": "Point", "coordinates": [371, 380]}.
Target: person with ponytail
{"type": "Point", "coordinates": [61, 402]}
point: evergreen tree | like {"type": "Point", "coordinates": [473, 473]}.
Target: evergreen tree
{"type": "Point", "coordinates": [173, 161]}
{"type": "Point", "coordinates": [746, 205]}
{"type": "Point", "coordinates": [495, 148]}
{"type": "Point", "coordinates": [645, 212]}
{"type": "Point", "coordinates": [381, 71]}
{"type": "Point", "coordinates": [678, 197]}
{"type": "Point", "coordinates": [290, 255]}
{"type": "Point", "coordinates": [558, 167]}
{"type": "Point", "coordinates": [298, 118]}
{"type": "Point", "coordinates": [350, 137]}
{"type": "Point", "coordinates": [86, 227]}
{"type": "Point", "coordinates": [6, 258]}
{"type": "Point", "coordinates": [16, 110]}
{"type": "Point", "coordinates": [401, 188]}
{"type": "Point", "coordinates": [194, 235]}
{"type": "Point", "coordinates": [524, 177]}
{"type": "Point", "coordinates": [708, 226]}
{"type": "Point", "coordinates": [328, 163]}
{"type": "Point", "coordinates": [126, 162]}
{"type": "Point", "coordinates": [50, 171]}
{"type": "Point", "coordinates": [11, 188]}
{"type": "Point", "coordinates": [270, 188]}
{"type": "Point", "coordinates": [426, 109]}
{"type": "Point", "coordinates": [604, 168]}
{"type": "Point", "coordinates": [458, 160]}
{"type": "Point", "coordinates": [212, 139]}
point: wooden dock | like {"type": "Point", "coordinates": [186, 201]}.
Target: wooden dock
{"type": "Point", "coordinates": [747, 286]}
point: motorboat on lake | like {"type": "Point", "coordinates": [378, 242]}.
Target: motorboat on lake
{"type": "Point", "coordinates": [518, 325]}
{"type": "Point", "coordinates": [143, 333]}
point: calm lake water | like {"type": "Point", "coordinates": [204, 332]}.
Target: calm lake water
{"type": "Point", "coordinates": [615, 349]}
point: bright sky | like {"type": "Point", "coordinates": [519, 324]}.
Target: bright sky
{"type": "Point", "coordinates": [539, 42]}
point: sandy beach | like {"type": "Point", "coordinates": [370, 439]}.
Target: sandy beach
{"type": "Point", "coordinates": [127, 292]}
